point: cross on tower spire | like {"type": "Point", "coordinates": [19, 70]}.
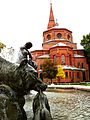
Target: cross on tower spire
{"type": "Point", "coordinates": [50, 1]}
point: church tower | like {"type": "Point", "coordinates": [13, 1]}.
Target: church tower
{"type": "Point", "coordinates": [51, 22]}
{"type": "Point", "coordinates": [54, 34]}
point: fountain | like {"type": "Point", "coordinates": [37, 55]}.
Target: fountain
{"type": "Point", "coordinates": [41, 108]}
{"type": "Point", "coordinates": [15, 84]}
{"type": "Point", "coordinates": [16, 80]}
{"type": "Point", "coordinates": [68, 104]}
{"type": "Point", "coordinates": [10, 54]}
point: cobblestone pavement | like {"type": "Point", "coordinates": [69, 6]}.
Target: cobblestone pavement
{"type": "Point", "coordinates": [69, 104]}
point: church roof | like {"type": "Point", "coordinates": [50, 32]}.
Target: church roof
{"type": "Point", "coordinates": [72, 68]}
{"type": "Point", "coordinates": [76, 55]}
{"type": "Point", "coordinates": [44, 56]}
{"type": "Point", "coordinates": [59, 44]}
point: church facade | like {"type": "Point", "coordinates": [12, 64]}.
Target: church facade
{"type": "Point", "coordinates": [58, 46]}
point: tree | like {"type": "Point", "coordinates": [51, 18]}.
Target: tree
{"type": "Point", "coordinates": [85, 42]}
{"type": "Point", "coordinates": [2, 45]}
{"type": "Point", "coordinates": [49, 69]}
{"type": "Point", "coordinates": [61, 73]}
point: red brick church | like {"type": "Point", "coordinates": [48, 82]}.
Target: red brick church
{"type": "Point", "coordinates": [58, 46]}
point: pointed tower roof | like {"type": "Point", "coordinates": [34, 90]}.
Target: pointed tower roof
{"type": "Point", "coordinates": [51, 22]}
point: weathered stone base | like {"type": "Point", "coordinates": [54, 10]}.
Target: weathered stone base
{"type": "Point", "coordinates": [9, 106]}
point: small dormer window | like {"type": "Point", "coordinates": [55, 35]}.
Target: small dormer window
{"type": "Point", "coordinates": [59, 35]}
{"type": "Point", "coordinates": [48, 36]}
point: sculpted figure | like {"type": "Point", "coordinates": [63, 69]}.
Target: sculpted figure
{"type": "Point", "coordinates": [24, 54]}
{"type": "Point", "coordinates": [41, 108]}
{"type": "Point", "coordinates": [15, 82]}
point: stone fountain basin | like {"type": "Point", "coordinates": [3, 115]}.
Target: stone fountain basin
{"type": "Point", "coordinates": [66, 104]}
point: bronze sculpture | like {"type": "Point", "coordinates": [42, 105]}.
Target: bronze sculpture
{"type": "Point", "coordinates": [15, 82]}
{"type": "Point", "coordinates": [41, 108]}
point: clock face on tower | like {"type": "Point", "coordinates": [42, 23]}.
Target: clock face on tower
{"type": "Point", "coordinates": [48, 36]}
{"type": "Point", "coordinates": [59, 35]}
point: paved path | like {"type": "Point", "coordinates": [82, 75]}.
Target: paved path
{"type": "Point", "coordinates": [79, 87]}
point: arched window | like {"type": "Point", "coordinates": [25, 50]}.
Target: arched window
{"type": "Point", "coordinates": [59, 35]}
{"type": "Point", "coordinates": [63, 59]}
{"type": "Point", "coordinates": [48, 36]}
{"type": "Point", "coordinates": [68, 36]}
{"type": "Point", "coordinates": [70, 74]}
{"type": "Point", "coordinates": [54, 58]}
{"type": "Point", "coordinates": [82, 65]}
{"type": "Point", "coordinates": [66, 74]}
{"type": "Point", "coordinates": [78, 64]}
{"type": "Point", "coordinates": [78, 75]}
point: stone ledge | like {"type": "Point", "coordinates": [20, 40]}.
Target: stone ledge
{"type": "Point", "coordinates": [78, 87]}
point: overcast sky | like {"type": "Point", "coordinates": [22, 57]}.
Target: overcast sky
{"type": "Point", "coordinates": [25, 20]}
